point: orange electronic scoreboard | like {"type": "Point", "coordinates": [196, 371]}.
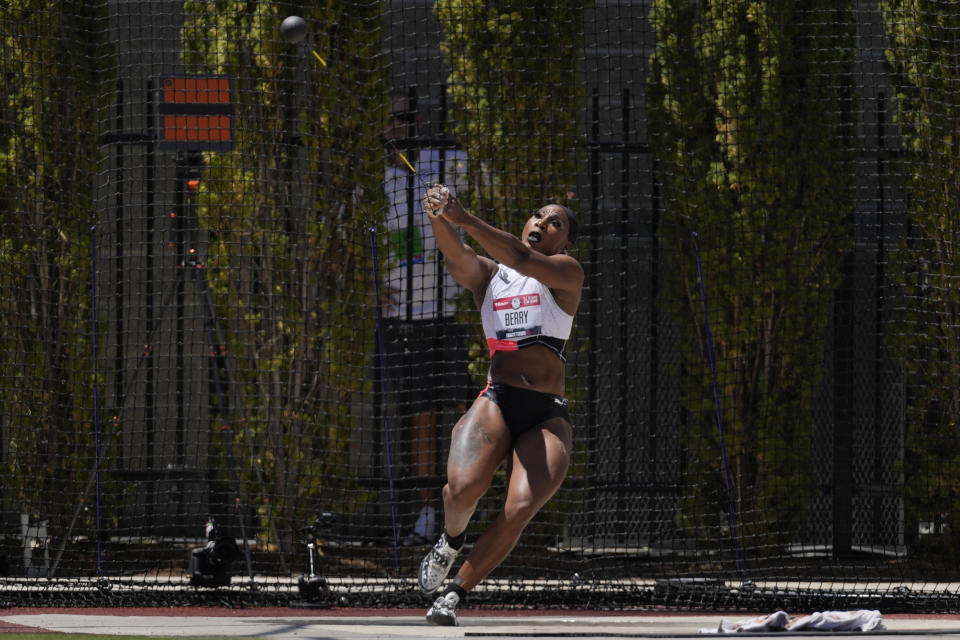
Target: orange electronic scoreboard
{"type": "Point", "coordinates": [195, 113]}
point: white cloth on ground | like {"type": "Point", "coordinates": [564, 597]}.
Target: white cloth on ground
{"type": "Point", "coordinates": [865, 620]}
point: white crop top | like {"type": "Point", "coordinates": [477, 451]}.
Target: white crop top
{"type": "Point", "coordinates": [519, 311]}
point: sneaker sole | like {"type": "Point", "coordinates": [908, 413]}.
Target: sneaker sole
{"type": "Point", "coordinates": [442, 621]}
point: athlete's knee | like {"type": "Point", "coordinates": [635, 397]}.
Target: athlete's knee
{"type": "Point", "coordinates": [463, 490]}
{"type": "Point", "coordinates": [520, 509]}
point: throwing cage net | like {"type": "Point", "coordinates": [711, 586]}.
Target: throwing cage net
{"type": "Point", "coordinates": [231, 357]}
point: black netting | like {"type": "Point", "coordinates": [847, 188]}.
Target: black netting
{"type": "Point", "coordinates": [232, 357]}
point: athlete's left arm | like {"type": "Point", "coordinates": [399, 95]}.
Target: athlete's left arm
{"type": "Point", "coordinates": [561, 273]}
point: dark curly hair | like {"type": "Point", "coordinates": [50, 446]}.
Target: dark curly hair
{"type": "Point", "coordinates": [573, 223]}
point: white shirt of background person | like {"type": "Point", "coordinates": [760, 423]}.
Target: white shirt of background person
{"type": "Point", "coordinates": [428, 299]}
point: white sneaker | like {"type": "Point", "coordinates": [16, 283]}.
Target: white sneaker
{"type": "Point", "coordinates": [443, 613]}
{"type": "Point", "coordinates": [436, 565]}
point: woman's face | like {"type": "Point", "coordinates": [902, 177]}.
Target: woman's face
{"type": "Point", "coordinates": [547, 230]}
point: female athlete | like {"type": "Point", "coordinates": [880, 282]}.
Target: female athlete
{"type": "Point", "coordinates": [528, 290]}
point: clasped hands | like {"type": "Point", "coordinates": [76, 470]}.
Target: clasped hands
{"type": "Point", "coordinates": [438, 201]}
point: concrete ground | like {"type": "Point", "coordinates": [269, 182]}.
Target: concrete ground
{"type": "Point", "coordinates": [369, 624]}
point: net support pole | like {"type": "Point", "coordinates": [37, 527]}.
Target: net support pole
{"type": "Point", "coordinates": [383, 395]}
{"type": "Point", "coordinates": [716, 402]}
{"type": "Point", "coordinates": [96, 395]}
{"type": "Point", "coordinates": [844, 418]}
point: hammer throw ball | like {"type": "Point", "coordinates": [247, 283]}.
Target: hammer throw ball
{"type": "Point", "coordinates": [293, 28]}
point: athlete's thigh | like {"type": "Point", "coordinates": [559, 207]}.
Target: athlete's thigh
{"type": "Point", "coordinates": [479, 443]}
{"type": "Point", "coordinates": [540, 461]}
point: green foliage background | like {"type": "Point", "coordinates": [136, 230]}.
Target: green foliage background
{"type": "Point", "coordinates": [289, 212]}
{"type": "Point", "coordinates": [751, 122]}
{"type": "Point", "coordinates": [922, 54]}
{"type": "Point", "coordinates": [515, 91]}
{"type": "Point", "coordinates": [49, 157]}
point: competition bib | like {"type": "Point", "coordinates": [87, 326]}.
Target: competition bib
{"type": "Point", "coordinates": [517, 317]}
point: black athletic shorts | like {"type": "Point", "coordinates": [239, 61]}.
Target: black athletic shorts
{"type": "Point", "coordinates": [523, 409]}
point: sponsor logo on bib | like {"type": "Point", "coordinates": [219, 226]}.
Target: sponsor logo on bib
{"type": "Point", "coordinates": [517, 302]}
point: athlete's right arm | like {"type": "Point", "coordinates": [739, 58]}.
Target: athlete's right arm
{"type": "Point", "coordinates": [467, 268]}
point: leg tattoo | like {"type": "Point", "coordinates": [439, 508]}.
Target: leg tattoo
{"type": "Point", "coordinates": [468, 442]}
